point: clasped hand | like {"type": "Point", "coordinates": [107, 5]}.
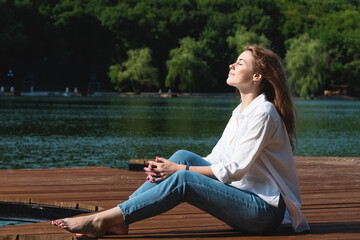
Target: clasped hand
{"type": "Point", "coordinates": [160, 169]}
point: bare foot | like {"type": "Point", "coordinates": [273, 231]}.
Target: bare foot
{"type": "Point", "coordinates": [94, 225]}
{"type": "Point", "coordinates": [87, 226]}
{"type": "Point", "coordinates": [120, 229]}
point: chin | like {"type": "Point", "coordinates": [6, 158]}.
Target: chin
{"type": "Point", "coordinates": [228, 82]}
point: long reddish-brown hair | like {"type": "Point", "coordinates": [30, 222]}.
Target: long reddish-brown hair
{"type": "Point", "coordinates": [274, 85]}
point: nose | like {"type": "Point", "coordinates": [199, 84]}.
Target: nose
{"type": "Point", "coordinates": [231, 66]}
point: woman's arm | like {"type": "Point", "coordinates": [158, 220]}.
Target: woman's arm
{"type": "Point", "coordinates": [162, 168]}
{"type": "Point", "coordinates": [204, 170]}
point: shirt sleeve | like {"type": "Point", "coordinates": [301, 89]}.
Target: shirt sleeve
{"type": "Point", "coordinates": [247, 149]}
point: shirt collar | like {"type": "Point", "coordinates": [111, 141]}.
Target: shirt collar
{"type": "Point", "coordinates": [258, 100]}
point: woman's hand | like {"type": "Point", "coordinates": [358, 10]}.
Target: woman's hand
{"type": "Point", "coordinates": [161, 169]}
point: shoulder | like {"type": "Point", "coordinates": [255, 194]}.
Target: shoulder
{"type": "Point", "coordinates": [266, 110]}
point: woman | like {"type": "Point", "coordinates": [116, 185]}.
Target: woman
{"type": "Point", "coordinates": [249, 179]}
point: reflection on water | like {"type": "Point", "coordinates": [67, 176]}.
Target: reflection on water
{"type": "Point", "coordinates": [48, 132]}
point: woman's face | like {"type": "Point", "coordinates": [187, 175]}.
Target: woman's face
{"type": "Point", "coordinates": [241, 72]}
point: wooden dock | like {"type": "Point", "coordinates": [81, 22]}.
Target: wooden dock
{"type": "Point", "coordinates": [329, 186]}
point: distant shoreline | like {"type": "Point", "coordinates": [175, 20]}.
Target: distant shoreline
{"type": "Point", "coordinates": [131, 94]}
{"type": "Point", "coordinates": [165, 95]}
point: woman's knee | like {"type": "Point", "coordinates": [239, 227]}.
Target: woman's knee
{"type": "Point", "coordinates": [180, 156]}
{"type": "Point", "coordinates": [181, 176]}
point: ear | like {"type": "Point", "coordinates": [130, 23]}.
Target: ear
{"type": "Point", "coordinates": [257, 77]}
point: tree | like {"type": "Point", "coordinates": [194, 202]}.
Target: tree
{"type": "Point", "coordinates": [101, 32]}
{"type": "Point", "coordinates": [135, 72]}
{"type": "Point", "coordinates": [339, 32]}
{"type": "Point", "coordinates": [187, 71]}
{"type": "Point", "coordinates": [243, 38]}
{"type": "Point", "coordinates": [307, 63]}
{"type": "Point", "coordinates": [336, 25]}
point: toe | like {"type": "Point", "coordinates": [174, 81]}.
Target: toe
{"type": "Point", "coordinates": [60, 223]}
{"type": "Point", "coordinates": [57, 223]}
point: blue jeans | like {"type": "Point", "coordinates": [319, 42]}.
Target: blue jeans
{"type": "Point", "coordinates": [241, 210]}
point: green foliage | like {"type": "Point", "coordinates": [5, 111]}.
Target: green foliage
{"type": "Point", "coordinates": [187, 70]}
{"type": "Point", "coordinates": [244, 38]}
{"type": "Point", "coordinates": [340, 32]}
{"type": "Point", "coordinates": [101, 32]}
{"type": "Point", "coordinates": [336, 25]}
{"type": "Point", "coordinates": [135, 72]}
{"type": "Point", "coordinates": [307, 64]}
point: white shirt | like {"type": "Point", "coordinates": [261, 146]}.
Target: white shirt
{"type": "Point", "coordinates": [254, 154]}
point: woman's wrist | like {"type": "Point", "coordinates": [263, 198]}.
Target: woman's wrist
{"type": "Point", "coordinates": [181, 167]}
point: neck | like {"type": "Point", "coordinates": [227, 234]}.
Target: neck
{"type": "Point", "coordinates": [246, 99]}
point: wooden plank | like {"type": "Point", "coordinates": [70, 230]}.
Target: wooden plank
{"type": "Point", "coordinates": [331, 202]}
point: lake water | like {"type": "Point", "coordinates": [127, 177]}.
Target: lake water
{"type": "Point", "coordinates": [9, 223]}
{"type": "Point", "coordinates": [57, 132]}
